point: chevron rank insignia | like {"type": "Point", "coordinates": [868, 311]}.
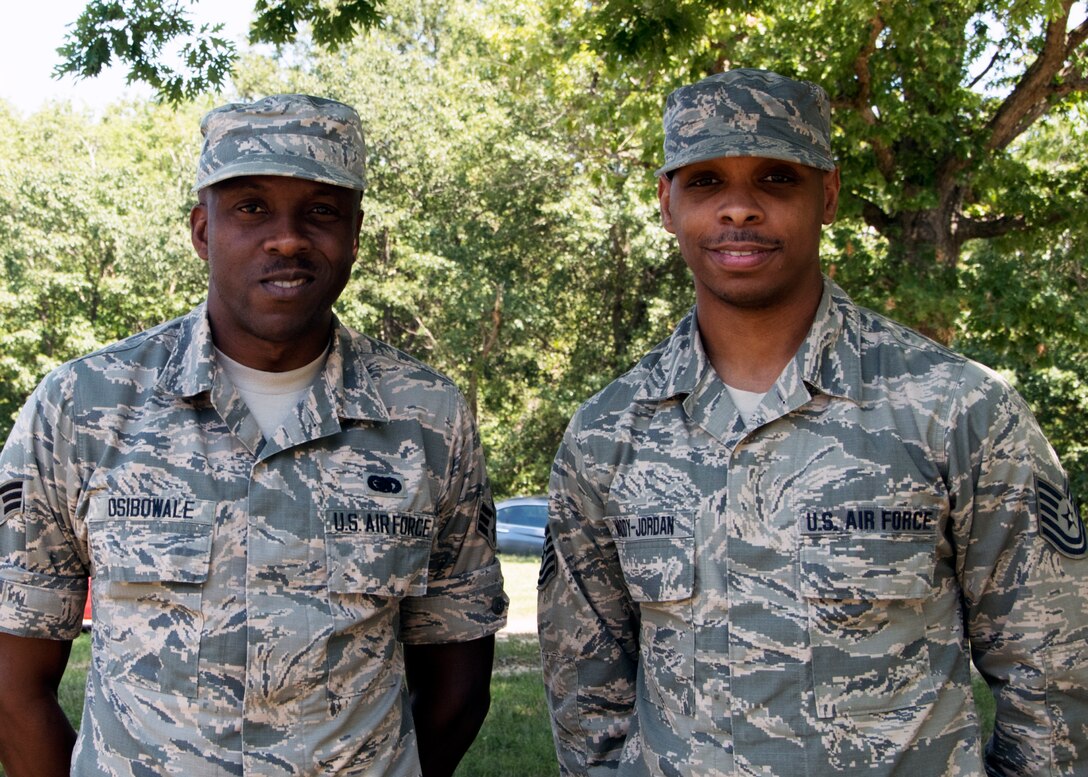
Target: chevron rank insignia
{"type": "Point", "coordinates": [11, 499]}
{"type": "Point", "coordinates": [485, 522]}
{"type": "Point", "coordinates": [548, 562]}
{"type": "Point", "coordinates": [1059, 521]}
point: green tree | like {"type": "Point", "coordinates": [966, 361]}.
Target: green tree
{"type": "Point", "coordinates": [960, 128]}
{"type": "Point", "coordinates": [92, 238]}
{"type": "Point", "coordinates": [512, 236]}
{"type": "Point", "coordinates": [932, 101]}
{"type": "Point", "coordinates": [145, 34]}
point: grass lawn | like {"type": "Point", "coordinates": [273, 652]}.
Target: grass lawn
{"type": "Point", "coordinates": [516, 739]}
{"type": "Point", "coordinates": [519, 579]}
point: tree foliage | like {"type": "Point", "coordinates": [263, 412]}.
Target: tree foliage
{"type": "Point", "coordinates": [93, 247]}
{"type": "Point", "coordinates": [511, 235]}
{"type": "Point", "coordinates": [159, 44]}
{"type": "Point", "coordinates": [930, 98]}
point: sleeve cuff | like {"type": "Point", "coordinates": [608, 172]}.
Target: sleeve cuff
{"type": "Point", "coordinates": [42, 607]}
{"type": "Point", "coordinates": [456, 609]}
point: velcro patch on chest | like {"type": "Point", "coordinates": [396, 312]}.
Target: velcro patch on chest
{"type": "Point", "coordinates": [870, 519]}
{"type": "Point", "coordinates": [379, 522]}
{"type": "Point", "coordinates": [379, 484]}
{"type": "Point", "coordinates": [663, 526]}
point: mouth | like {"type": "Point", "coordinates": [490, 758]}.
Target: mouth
{"type": "Point", "coordinates": [741, 256]}
{"type": "Point", "coordinates": [740, 252]}
{"type": "Point", "coordinates": [293, 284]}
{"type": "Point", "coordinates": [286, 285]}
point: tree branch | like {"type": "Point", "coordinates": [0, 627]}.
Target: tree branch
{"type": "Point", "coordinates": [1030, 98]}
{"type": "Point", "coordinates": [885, 159]}
{"type": "Point", "coordinates": [874, 215]}
{"type": "Point", "coordinates": [972, 229]}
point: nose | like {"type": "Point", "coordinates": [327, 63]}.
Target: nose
{"type": "Point", "coordinates": [738, 206]}
{"type": "Point", "coordinates": [287, 237]}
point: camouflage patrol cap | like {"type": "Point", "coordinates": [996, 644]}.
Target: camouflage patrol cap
{"type": "Point", "coordinates": [292, 135]}
{"type": "Point", "coordinates": [748, 112]}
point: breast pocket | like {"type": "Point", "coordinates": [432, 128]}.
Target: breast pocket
{"type": "Point", "coordinates": [865, 596]}
{"type": "Point", "coordinates": [374, 558]}
{"type": "Point", "coordinates": [657, 555]}
{"type": "Point", "coordinates": [151, 558]}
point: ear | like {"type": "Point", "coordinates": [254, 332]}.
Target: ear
{"type": "Point", "coordinates": [358, 228]}
{"type": "Point", "coordinates": [664, 195]}
{"type": "Point", "coordinates": [198, 229]}
{"type": "Point", "coordinates": [832, 184]}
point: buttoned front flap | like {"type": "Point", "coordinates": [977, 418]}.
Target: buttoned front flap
{"type": "Point", "coordinates": [657, 554]}
{"type": "Point", "coordinates": [378, 552]}
{"type": "Point", "coordinates": [151, 538]}
{"type": "Point", "coordinates": [866, 574]}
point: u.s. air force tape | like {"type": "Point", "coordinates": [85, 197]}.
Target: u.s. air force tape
{"type": "Point", "coordinates": [1059, 520]}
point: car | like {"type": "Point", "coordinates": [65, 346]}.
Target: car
{"type": "Point", "coordinates": [520, 525]}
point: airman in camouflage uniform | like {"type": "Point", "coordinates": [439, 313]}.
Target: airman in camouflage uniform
{"type": "Point", "coordinates": [258, 598]}
{"type": "Point", "coordinates": [797, 583]}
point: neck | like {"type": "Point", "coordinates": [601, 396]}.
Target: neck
{"type": "Point", "coordinates": [749, 347]}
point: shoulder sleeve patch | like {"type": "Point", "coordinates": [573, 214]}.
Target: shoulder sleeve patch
{"type": "Point", "coordinates": [548, 562]}
{"type": "Point", "coordinates": [485, 522]}
{"type": "Point", "coordinates": [11, 499]}
{"type": "Point", "coordinates": [1060, 523]}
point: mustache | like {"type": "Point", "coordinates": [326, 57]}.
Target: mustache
{"type": "Point", "coordinates": [742, 236]}
{"type": "Point", "coordinates": [281, 263]}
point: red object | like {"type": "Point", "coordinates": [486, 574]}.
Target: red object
{"type": "Point", "coordinates": [87, 608]}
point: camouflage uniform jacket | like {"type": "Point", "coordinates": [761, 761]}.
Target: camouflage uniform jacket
{"type": "Point", "coordinates": [250, 595]}
{"type": "Point", "coordinates": [801, 596]}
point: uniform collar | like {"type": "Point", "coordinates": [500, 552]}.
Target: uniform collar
{"type": "Point", "coordinates": [348, 387]}
{"type": "Point", "coordinates": [828, 360]}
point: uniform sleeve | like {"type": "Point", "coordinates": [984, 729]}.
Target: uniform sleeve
{"type": "Point", "coordinates": [1024, 573]}
{"type": "Point", "coordinates": [43, 573]}
{"type": "Point", "coordinates": [588, 623]}
{"type": "Point", "coordinates": [464, 599]}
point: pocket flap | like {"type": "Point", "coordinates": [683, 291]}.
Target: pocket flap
{"type": "Point", "coordinates": [378, 553]}
{"type": "Point", "coordinates": [867, 566]}
{"type": "Point", "coordinates": [657, 554]}
{"type": "Point", "coordinates": [139, 539]}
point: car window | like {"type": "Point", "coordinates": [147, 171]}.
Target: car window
{"type": "Point", "coordinates": [525, 515]}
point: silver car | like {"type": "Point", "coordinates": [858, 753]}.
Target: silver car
{"type": "Point", "coordinates": [520, 525]}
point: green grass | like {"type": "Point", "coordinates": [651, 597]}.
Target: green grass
{"type": "Point", "coordinates": [72, 685]}
{"type": "Point", "coordinates": [519, 576]}
{"type": "Point", "coordinates": [516, 738]}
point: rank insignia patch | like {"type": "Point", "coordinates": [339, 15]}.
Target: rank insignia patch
{"type": "Point", "coordinates": [485, 522]}
{"type": "Point", "coordinates": [11, 498]}
{"type": "Point", "coordinates": [1059, 521]}
{"type": "Point", "coordinates": [548, 562]}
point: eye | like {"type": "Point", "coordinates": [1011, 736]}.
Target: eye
{"type": "Point", "coordinates": [702, 180]}
{"type": "Point", "coordinates": [251, 207]}
{"type": "Point", "coordinates": [780, 174]}
{"type": "Point", "coordinates": [324, 211]}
